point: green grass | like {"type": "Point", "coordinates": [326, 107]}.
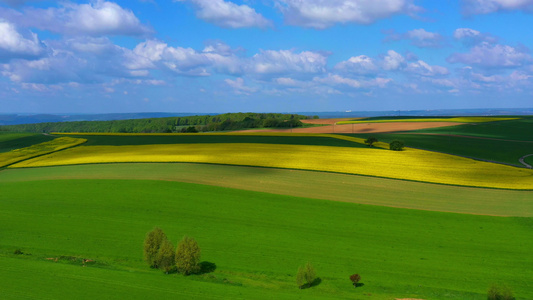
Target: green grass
{"type": "Point", "coordinates": [256, 240]}
{"type": "Point", "coordinates": [320, 185]}
{"type": "Point", "coordinates": [10, 141]}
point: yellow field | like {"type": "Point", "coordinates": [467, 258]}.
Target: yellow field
{"type": "Point", "coordinates": [39, 149]}
{"type": "Point", "coordinates": [410, 164]}
{"type": "Point", "coordinates": [456, 119]}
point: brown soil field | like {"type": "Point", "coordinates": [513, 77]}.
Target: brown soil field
{"type": "Point", "coordinates": [327, 121]}
{"type": "Point", "coordinates": [361, 128]}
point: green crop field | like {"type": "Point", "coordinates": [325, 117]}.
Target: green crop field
{"type": "Point", "coordinates": [257, 225]}
{"type": "Point", "coordinates": [10, 141]}
{"type": "Point", "coordinates": [256, 240]}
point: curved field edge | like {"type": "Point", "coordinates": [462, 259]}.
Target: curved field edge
{"type": "Point", "coordinates": [256, 240]}
{"type": "Point", "coordinates": [410, 164]}
{"type": "Point", "coordinates": [18, 155]}
{"type": "Point", "coordinates": [309, 184]}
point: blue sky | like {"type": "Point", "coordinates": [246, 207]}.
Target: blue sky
{"type": "Point", "coordinates": [264, 55]}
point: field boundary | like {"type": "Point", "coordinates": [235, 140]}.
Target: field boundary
{"type": "Point", "coordinates": [522, 161]}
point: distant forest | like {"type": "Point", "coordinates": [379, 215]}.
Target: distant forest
{"type": "Point", "coordinates": [224, 122]}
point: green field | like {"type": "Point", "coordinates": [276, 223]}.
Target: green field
{"type": "Point", "coordinates": [10, 141]}
{"type": "Point", "coordinates": [256, 240]}
{"type": "Point", "coordinates": [257, 225]}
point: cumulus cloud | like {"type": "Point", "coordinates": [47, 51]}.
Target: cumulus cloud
{"type": "Point", "coordinates": [393, 61]}
{"type": "Point", "coordinates": [228, 14]}
{"type": "Point", "coordinates": [270, 62]}
{"type": "Point", "coordinates": [422, 68]}
{"type": "Point", "coordinates": [321, 14]}
{"type": "Point", "coordinates": [492, 56]}
{"type": "Point", "coordinates": [361, 64]}
{"type": "Point", "coordinates": [491, 6]}
{"type": "Point", "coordinates": [97, 18]}
{"type": "Point", "coordinates": [239, 86]}
{"type": "Point", "coordinates": [418, 37]}
{"type": "Point", "coordinates": [470, 36]}
{"type": "Point", "coordinates": [14, 44]}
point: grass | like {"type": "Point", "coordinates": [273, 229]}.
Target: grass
{"type": "Point", "coordinates": [256, 240]}
{"type": "Point", "coordinates": [433, 119]}
{"type": "Point", "coordinates": [11, 141]}
{"type": "Point", "coordinates": [36, 150]}
{"type": "Point", "coordinates": [318, 185]}
{"type": "Point", "coordinates": [411, 164]}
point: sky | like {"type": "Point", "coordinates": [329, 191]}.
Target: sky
{"type": "Point", "coordinates": [217, 56]}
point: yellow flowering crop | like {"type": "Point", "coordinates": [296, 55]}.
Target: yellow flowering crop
{"type": "Point", "coordinates": [410, 164]}
{"type": "Point", "coordinates": [16, 155]}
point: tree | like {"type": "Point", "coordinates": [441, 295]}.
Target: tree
{"type": "Point", "coordinates": [306, 276]}
{"type": "Point", "coordinates": [152, 243]}
{"type": "Point", "coordinates": [188, 256]}
{"type": "Point", "coordinates": [370, 141]}
{"type": "Point", "coordinates": [166, 256]}
{"type": "Point", "coordinates": [396, 145]}
{"type": "Point", "coordinates": [498, 292]}
{"type": "Point", "coordinates": [355, 279]}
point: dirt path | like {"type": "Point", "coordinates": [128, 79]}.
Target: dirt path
{"type": "Point", "coordinates": [522, 161]}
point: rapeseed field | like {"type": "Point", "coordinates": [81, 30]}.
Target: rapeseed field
{"type": "Point", "coordinates": [16, 155]}
{"type": "Point", "coordinates": [411, 164]}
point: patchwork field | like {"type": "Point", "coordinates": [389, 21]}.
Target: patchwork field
{"type": "Point", "coordinates": [262, 204]}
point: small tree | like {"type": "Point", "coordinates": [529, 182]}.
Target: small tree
{"type": "Point", "coordinates": [370, 141]}
{"type": "Point", "coordinates": [152, 243]}
{"type": "Point", "coordinates": [188, 256]}
{"type": "Point", "coordinates": [498, 292]}
{"type": "Point", "coordinates": [396, 145]}
{"type": "Point", "coordinates": [306, 276]}
{"type": "Point", "coordinates": [355, 279]}
{"type": "Point", "coordinates": [166, 256]}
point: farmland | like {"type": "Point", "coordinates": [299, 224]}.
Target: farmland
{"type": "Point", "coordinates": [262, 204]}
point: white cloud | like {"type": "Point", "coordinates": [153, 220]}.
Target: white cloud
{"type": "Point", "coordinates": [491, 6]}
{"type": "Point", "coordinates": [14, 44]}
{"type": "Point", "coordinates": [418, 37]}
{"type": "Point", "coordinates": [361, 64]}
{"type": "Point", "coordinates": [393, 61]}
{"type": "Point", "coordinates": [97, 18]}
{"type": "Point", "coordinates": [228, 14]}
{"type": "Point", "coordinates": [321, 14]}
{"type": "Point", "coordinates": [422, 68]}
{"type": "Point", "coordinates": [487, 55]}
{"type": "Point", "coordinates": [270, 62]}
{"type": "Point", "coordinates": [472, 37]}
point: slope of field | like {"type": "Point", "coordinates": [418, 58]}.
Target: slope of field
{"type": "Point", "coordinates": [256, 240]}
{"type": "Point", "coordinates": [11, 141]}
{"type": "Point", "coordinates": [309, 184]}
{"type": "Point", "coordinates": [21, 154]}
{"type": "Point", "coordinates": [410, 164]}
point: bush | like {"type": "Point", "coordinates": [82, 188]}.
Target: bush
{"type": "Point", "coordinates": [498, 292]}
{"type": "Point", "coordinates": [166, 256]}
{"type": "Point", "coordinates": [188, 256]}
{"type": "Point", "coordinates": [396, 145]}
{"type": "Point", "coordinates": [306, 276]}
{"type": "Point", "coordinates": [153, 241]}
{"type": "Point", "coordinates": [370, 141]}
{"type": "Point", "coordinates": [18, 252]}
{"type": "Point", "coordinates": [355, 279]}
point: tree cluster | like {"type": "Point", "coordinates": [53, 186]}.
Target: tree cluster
{"type": "Point", "coordinates": [159, 253]}
{"type": "Point", "coordinates": [229, 121]}
{"type": "Point", "coordinates": [306, 276]}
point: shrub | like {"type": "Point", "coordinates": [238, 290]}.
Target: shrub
{"type": "Point", "coordinates": [396, 145]}
{"type": "Point", "coordinates": [355, 279]}
{"type": "Point", "coordinates": [188, 256]}
{"type": "Point", "coordinates": [306, 276]}
{"type": "Point", "coordinates": [18, 252]}
{"type": "Point", "coordinates": [152, 243]}
{"type": "Point", "coordinates": [166, 256]}
{"type": "Point", "coordinates": [370, 141]}
{"type": "Point", "coordinates": [499, 292]}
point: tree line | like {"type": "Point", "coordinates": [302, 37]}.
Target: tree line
{"type": "Point", "coordinates": [223, 122]}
